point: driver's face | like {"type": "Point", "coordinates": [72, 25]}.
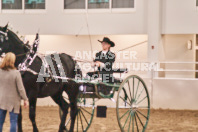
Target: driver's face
{"type": "Point", "coordinates": [105, 45]}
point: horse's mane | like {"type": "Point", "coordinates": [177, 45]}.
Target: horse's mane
{"type": "Point", "coordinates": [15, 37]}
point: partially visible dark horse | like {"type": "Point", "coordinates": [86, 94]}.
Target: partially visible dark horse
{"type": "Point", "coordinates": [9, 42]}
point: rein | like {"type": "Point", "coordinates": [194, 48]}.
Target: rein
{"type": "Point", "coordinates": [21, 54]}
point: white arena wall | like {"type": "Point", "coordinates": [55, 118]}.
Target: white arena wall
{"type": "Point", "coordinates": [176, 17]}
{"type": "Point", "coordinates": [54, 20]}
{"type": "Point", "coordinates": [175, 50]}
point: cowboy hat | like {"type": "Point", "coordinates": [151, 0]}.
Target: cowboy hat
{"type": "Point", "coordinates": [107, 40]}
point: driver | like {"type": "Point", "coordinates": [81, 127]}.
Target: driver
{"type": "Point", "coordinates": [104, 61]}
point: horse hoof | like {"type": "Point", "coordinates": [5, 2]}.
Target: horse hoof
{"type": "Point", "coordinates": [62, 129]}
{"type": "Point", "coordinates": [20, 130]}
{"type": "Point", "coordinates": [35, 130]}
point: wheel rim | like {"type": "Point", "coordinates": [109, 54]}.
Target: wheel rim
{"type": "Point", "coordinates": [85, 114]}
{"type": "Point", "coordinates": [133, 105]}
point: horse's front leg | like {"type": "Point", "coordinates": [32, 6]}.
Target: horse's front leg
{"type": "Point", "coordinates": [20, 121]}
{"type": "Point", "coordinates": [32, 113]}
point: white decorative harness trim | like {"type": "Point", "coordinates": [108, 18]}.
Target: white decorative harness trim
{"type": "Point", "coordinates": [4, 33]}
{"type": "Point", "coordinates": [24, 66]}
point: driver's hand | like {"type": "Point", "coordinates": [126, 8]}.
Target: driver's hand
{"type": "Point", "coordinates": [97, 63]}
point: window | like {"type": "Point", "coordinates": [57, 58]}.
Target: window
{"type": "Point", "coordinates": [11, 4]}
{"type": "Point", "coordinates": [34, 4]}
{"type": "Point", "coordinates": [74, 4]}
{"type": "Point", "coordinates": [95, 4]}
{"type": "Point", "coordinates": [123, 4]}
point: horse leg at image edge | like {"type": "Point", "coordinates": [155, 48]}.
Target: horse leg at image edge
{"type": "Point", "coordinates": [32, 113]}
{"type": "Point", "coordinates": [20, 121]}
{"type": "Point", "coordinates": [73, 113]}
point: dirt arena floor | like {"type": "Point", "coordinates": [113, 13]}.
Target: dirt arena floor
{"type": "Point", "coordinates": [160, 121]}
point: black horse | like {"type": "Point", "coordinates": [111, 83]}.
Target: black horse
{"type": "Point", "coordinates": [9, 42]}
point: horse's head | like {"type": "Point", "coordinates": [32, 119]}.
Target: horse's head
{"type": "Point", "coordinates": [10, 42]}
{"type": "Point", "coordinates": [4, 40]}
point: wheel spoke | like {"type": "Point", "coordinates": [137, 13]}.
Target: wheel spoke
{"type": "Point", "coordinates": [140, 93]}
{"type": "Point", "coordinates": [133, 86]}
{"type": "Point", "coordinates": [141, 113]}
{"type": "Point", "coordinates": [142, 99]}
{"type": "Point", "coordinates": [126, 119]}
{"type": "Point", "coordinates": [136, 124]}
{"type": "Point", "coordinates": [123, 115]}
{"type": "Point", "coordinates": [130, 122]}
{"type": "Point", "coordinates": [129, 89]}
{"type": "Point", "coordinates": [125, 100]}
{"type": "Point", "coordinates": [84, 117]}
{"type": "Point", "coordinates": [133, 122]}
{"type": "Point", "coordinates": [86, 111]}
{"type": "Point", "coordinates": [126, 94]}
{"type": "Point", "coordinates": [137, 88]}
{"type": "Point", "coordinates": [139, 120]}
{"type": "Point", "coordinates": [81, 121]}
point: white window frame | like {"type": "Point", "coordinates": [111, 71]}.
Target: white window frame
{"type": "Point", "coordinates": [75, 10]}
{"type": "Point", "coordinates": [107, 10]}
{"type": "Point", "coordinates": [35, 11]}
{"type": "Point", "coordinates": [23, 10]}
{"type": "Point", "coordinates": [123, 10]}
{"type": "Point", "coordinates": [14, 11]}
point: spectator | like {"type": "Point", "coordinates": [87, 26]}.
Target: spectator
{"type": "Point", "coordinates": [11, 91]}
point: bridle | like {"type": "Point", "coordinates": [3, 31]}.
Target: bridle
{"type": "Point", "coordinates": [30, 55]}
{"type": "Point", "coordinates": [3, 36]}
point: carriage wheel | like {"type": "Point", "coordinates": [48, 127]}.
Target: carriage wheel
{"type": "Point", "coordinates": [133, 105]}
{"type": "Point", "coordinates": [85, 114]}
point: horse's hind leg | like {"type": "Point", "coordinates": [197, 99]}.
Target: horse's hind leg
{"type": "Point", "coordinates": [32, 113]}
{"type": "Point", "coordinates": [73, 113]}
{"type": "Point", "coordinates": [64, 107]}
{"type": "Point", "coordinates": [20, 121]}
